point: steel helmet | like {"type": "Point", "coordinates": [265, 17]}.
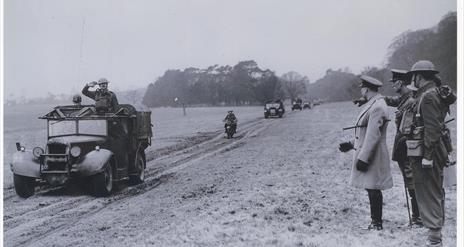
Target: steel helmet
{"type": "Point", "coordinates": [77, 99]}
{"type": "Point", "coordinates": [423, 66]}
{"type": "Point", "coordinates": [103, 81]}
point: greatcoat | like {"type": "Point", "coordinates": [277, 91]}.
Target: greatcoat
{"type": "Point", "coordinates": [371, 146]}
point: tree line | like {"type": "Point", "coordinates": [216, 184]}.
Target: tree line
{"type": "Point", "coordinates": [437, 44]}
{"type": "Point", "coordinates": [242, 84]}
{"type": "Point", "coordinates": [246, 83]}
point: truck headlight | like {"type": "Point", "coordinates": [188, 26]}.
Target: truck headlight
{"type": "Point", "coordinates": [37, 151]}
{"type": "Point", "coordinates": [75, 151]}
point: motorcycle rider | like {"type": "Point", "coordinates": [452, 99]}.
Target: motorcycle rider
{"type": "Point", "coordinates": [232, 120]}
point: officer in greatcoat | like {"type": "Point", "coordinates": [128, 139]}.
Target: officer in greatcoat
{"type": "Point", "coordinates": [428, 146]}
{"type": "Point", "coordinates": [403, 102]}
{"type": "Point", "coordinates": [371, 161]}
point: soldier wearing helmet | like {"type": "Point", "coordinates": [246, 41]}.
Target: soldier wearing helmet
{"type": "Point", "coordinates": [404, 101]}
{"type": "Point", "coordinates": [427, 148]}
{"type": "Point", "coordinates": [105, 100]}
{"type": "Point", "coordinates": [231, 119]}
{"type": "Point", "coordinates": [77, 100]}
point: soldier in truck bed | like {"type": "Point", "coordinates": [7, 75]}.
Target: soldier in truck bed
{"type": "Point", "coordinates": [105, 100]}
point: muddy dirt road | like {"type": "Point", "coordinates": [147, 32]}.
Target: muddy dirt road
{"type": "Point", "coordinates": [279, 182]}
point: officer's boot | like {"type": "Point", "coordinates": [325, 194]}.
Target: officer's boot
{"type": "Point", "coordinates": [375, 200]}
{"type": "Point", "coordinates": [416, 219]}
{"type": "Point", "coordinates": [434, 238]}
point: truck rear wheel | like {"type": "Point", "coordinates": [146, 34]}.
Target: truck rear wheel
{"type": "Point", "coordinates": [24, 186]}
{"type": "Point", "coordinates": [103, 182]}
{"type": "Point", "coordinates": [140, 167]}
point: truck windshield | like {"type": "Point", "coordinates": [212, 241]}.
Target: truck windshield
{"type": "Point", "coordinates": [275, 105]}
{"type": "Point", "coordinates": [92, 127]}
{"type": "Point", "coordinates": [58, 128]}
{"type": "Point", "coordinates": [85, 127]}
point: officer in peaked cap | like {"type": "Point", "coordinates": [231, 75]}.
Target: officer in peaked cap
{"type": "Point", "coordinates": [399, 75]}
{"type": "Point", "coordinates": [367, 82]}
{"type": "Point", "coordinates": [403, 102]}
{"type": "Point", "coordinates": [370, 82]}
{"type": "Point", "coordinates": [371, 162]}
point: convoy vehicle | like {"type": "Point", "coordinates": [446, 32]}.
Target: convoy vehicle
{"type": "Point", "coordinates": [296, 106]}
{"type": "Point", "coordinates": [307, 105]}
{"type": "Point", "coordinates": [83, 144]}
{"type": "Point", "coordinates": [274, 109]}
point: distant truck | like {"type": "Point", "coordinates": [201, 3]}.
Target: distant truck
{"type": "Point", "coordinates": [82, 144]}
{"type": "Point", "coordinates": [274, 109]}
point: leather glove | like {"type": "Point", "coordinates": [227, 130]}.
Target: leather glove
{"type": "Point", "coordinates": [92, 84]}
{"type": "Point", "coordinates": [361, 166]}
{"type": "Point", "coordinates": [345, 146]}
{"type": "Point", "coordinates": [360, 101]}
{"type": "Point", "coordinates": [427, 163]}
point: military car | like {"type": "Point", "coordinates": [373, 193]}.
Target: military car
{"type": "Point", "coordinates": [307, 105]}
{"type": "Point", "coordinates": [274, 109]}
{"type": "Point", "coordinates": [82, 144]}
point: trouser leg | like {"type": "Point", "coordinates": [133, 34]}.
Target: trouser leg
{"type": "Point", "coordinates": [375, 201]}
{"type": "Point", "coordinates": [428, 184]}
{"type": "Point", "coordinates": [414, 206]}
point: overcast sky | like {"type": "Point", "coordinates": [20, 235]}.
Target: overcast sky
{"type": "Point", "coordinates": [57, 46]}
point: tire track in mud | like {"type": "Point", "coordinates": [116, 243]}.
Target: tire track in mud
{"type": "Point", "coordinates": [44, 215]}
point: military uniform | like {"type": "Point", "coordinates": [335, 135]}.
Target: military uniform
{"type": "Point", "coordinates": [105, 101]}
{"type": "Point", "coordinates": [232, 120]}
{"type": "Point", "coordinates": [371, 161]}
{"type": "Point", "coordinates": [399, 152]}
{"type": "Point", "coordinates": [428, 147]}
{"type": "Point", "coordinates": [430, 114]}
{"type": "Point", "coordinates": [403, 103]}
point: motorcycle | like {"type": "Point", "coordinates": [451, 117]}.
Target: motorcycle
{"type": "Point", "coordinates": [230, 129]}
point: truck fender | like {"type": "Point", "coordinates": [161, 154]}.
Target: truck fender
{"type": "Point", "coordinates": [25, 164]}
{"type": "Point", "coordinates": [93, 162]}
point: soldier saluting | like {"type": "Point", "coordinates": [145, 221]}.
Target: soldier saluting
{"type": "Point", "coordinates": [371, 161]}
{"type": "Point", "coordinates": [105, 100]}
{"type": "Point", "coordinates": [428, 146]}
{"type": "Point", "coordinates": [405, 101]}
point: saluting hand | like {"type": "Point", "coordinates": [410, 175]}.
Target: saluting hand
{"type": "Point", "coordinates": [362, 166]}
{"type": "Point", "coordinates": [92, 84]}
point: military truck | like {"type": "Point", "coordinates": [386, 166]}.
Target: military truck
{"type": "Point", "coordinates": [85, 145]}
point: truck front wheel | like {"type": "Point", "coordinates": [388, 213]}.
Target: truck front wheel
{"type": "Point", "coordinates": [103, 181]}
{"type": "Point", "coordinates": [24, 186]}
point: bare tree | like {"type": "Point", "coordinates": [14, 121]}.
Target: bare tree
{"type": "Point", "coordinates": [294, 84]}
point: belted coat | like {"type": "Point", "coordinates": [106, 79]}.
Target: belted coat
{"type": "Point", "coordinates": [371, 146]}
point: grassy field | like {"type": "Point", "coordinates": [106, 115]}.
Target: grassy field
{"type": "Point", "coordinates": [170, 126]}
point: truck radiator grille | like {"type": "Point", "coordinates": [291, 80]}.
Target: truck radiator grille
{"type": "Point", "coordinates": [56, 149]}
